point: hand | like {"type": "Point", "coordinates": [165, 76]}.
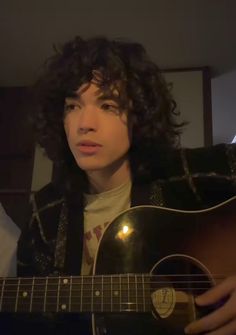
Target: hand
{"type": "Point", "coordinates": [223, 320]}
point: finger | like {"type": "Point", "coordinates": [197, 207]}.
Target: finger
{"type": "Point", "coordinates": [212, 321]}
{"type": "Point", "coordinates": [217, 292]}
{"type": "Point", "coordinates": [229, 329]}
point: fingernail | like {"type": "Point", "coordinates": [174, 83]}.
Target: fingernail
{"type": "Point", "coordinates": [187, 330]}
{"type": "Point", "coordinates": [198, 299]}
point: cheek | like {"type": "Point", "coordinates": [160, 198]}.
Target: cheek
{"type": "Point", "coordinates": [125, 138]}
{"type": "Point", "coordinates": [69, 131]}
{"type": "Point", "coordinates": [66, 126]}
{"type": "Point", "coordinates": [66, 129]}
{"type": "Point", "coordinates": [127, 133]}
{"type": "Point", "coordinates": [122, 138]}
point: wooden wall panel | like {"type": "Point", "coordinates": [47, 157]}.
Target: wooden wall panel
{"type": "Point", "coordinates": [16, 151]}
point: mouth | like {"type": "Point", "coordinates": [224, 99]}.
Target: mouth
{"type": "Point", "coordinates": [88, 147]}
{"type": "Point", "coordinates": [88, 144]}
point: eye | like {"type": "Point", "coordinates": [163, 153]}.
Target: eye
{"type": "Point", "coordinates": [110, 107]}
{"type": "Point", "coordinates": [71, 106]}
{"type": "Point", "coordinates": [68, 107]}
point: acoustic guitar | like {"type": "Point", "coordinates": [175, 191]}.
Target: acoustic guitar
{"type": "Point", "coordinates": [150, 264]}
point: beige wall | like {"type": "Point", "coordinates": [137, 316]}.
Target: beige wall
{"type": "Point", "coordinates": [188, 93]}
{"type": "Point", "coordinates": [42, 171]}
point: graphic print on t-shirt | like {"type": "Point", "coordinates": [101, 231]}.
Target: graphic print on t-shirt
{"type": "Point", "coordinates": [91, 239]}
{"type": "Point", "coordinates": [99, 211]}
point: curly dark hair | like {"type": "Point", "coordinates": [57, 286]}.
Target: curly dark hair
{"type": "Point", "coordinates": [153, 109]}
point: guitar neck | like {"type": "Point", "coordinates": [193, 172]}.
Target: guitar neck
{"type": "Point", "coordinates": [103, 293]}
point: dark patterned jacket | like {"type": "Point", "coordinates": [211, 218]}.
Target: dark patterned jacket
{"type": "Point", "coordinates": [52, 241]}
{"type": "Point", "coordinates": [194, 179]}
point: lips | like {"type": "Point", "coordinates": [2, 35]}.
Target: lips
{"type": "Point", "coordinates": [88, 143]}
{"type": "Point", "coordinates": [88, 147]}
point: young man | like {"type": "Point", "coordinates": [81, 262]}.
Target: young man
{"type": "Point", "coordinates": [106, 118]}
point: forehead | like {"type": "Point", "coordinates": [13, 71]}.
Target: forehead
{"type": "Point", "coordinates": [95, 90]}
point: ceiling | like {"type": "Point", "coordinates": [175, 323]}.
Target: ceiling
{"type": "Point", "coordinates": [176, 33]}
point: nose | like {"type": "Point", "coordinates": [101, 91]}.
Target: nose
{"type": "Point", "coordinates": [87, 120]}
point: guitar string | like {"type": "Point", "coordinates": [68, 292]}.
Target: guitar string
{"type": "Point", "coordinates": [7, 294]}
{"type": "Point", "coordinates": [107, 286]}
{"type": "Point", "coordinates": [119, 277]}
{"type": "Point", "coordinates": [145, 305]}
{"type": "Point", "coordinates": [13, 288]}
{"type": "Point", "coordinates": [9, 287]}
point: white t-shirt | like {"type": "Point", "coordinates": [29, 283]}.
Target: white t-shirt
{"type": "Point", "coordinates": [101, 209]}
{"type": "Point", "coordinates": [9, 235]}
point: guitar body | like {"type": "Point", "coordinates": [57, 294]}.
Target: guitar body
{"type": "Point", "coordinates": [192, 248]}
{"type": "Point", "coordinates": [150, 265]}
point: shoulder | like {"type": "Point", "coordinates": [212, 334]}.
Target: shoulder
{"type": "Point", "coordinates": [199, 177]}
{"type": "Point", "coordinates": [46, 207]}
{"type": "Point", "coordinates": [38, 239]}
{"type": "Point", "coordinates": [48, 196]}
{"type": "Point", "coordinates": [218, 159]}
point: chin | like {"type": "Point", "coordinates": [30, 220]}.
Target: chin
{"type": "Point", "coordinates": [100, 165]}
{"type": "Point", "coordinates": [91, 167]}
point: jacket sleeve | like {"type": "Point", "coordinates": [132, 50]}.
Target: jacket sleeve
{"type": "Point", "coordinates": [33, 253]}
{"type": "Point", "coordinates": [212, 173]}
{"type": "Point", "coordinates": [36, 246]}
{"type": "Point", "coordinates": [201, 177]}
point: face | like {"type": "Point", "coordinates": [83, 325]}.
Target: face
{"type": "Point", "coordinates": [96, 129]}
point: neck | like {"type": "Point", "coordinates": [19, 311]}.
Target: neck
{"type": "Point", "coordinates": [107, 179]}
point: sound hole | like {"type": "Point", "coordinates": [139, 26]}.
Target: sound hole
{"type": "Point", "coordinates": [176, 280]}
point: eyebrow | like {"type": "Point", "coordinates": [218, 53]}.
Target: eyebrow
{"type": "Point", "coordinates": [109, 97]}
{"type": "Point", "coordinates": [101, 97]}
